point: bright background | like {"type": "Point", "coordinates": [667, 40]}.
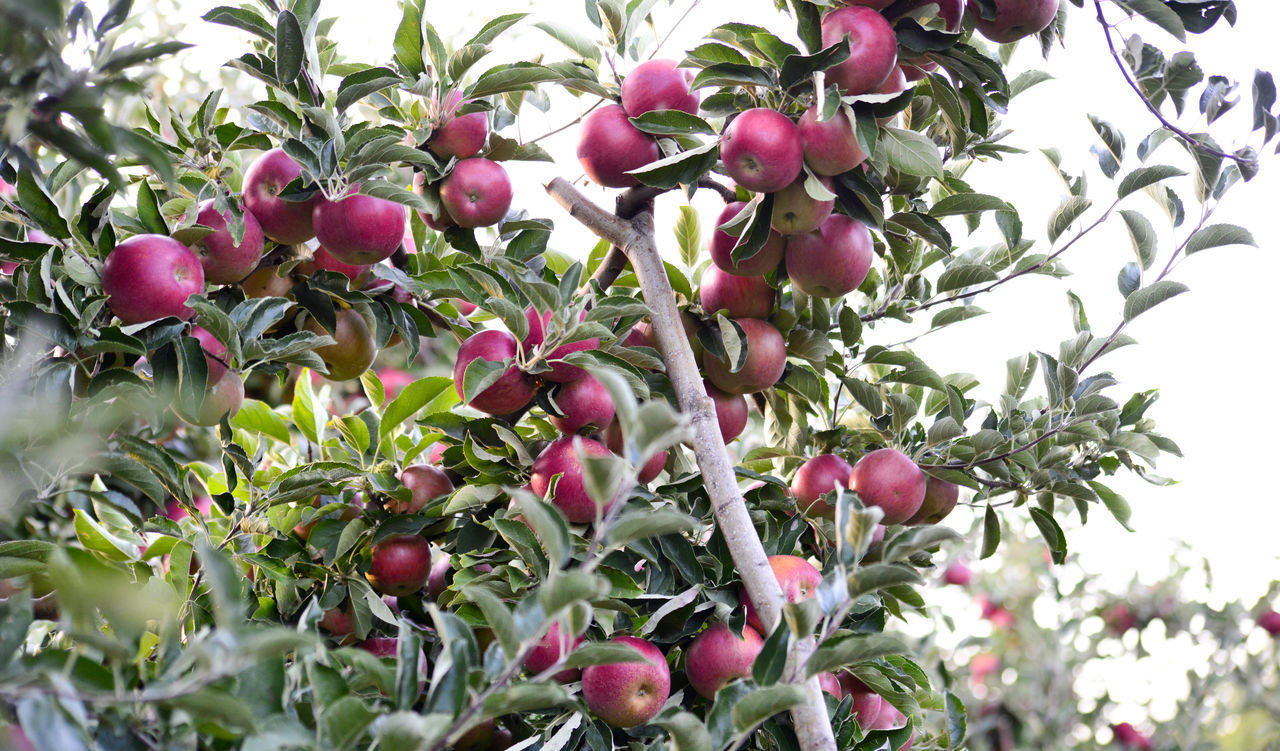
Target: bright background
{"type": "Point", "coordinates": [1210, 352]}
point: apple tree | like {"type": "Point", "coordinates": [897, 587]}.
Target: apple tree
{"type": "Point", "coordinates": [320, 437]}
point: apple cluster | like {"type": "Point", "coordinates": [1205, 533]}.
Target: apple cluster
{"type": "Point", "coordinates": [475, 192]}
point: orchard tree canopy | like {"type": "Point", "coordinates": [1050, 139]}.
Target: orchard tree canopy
{"type": "Point", "coordinates": [317, 438]}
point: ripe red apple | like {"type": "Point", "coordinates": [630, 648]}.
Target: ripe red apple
{"type": "Point", "coordinates": [512, 391]}
{"type": "Point", "coordinates": [585, 403]}
{"type": "Point", "coordinates": [461, 136]}
{"type": "Point", "coordinates": [1000, 616]}
{"type": "Point", "coordinates": [175, 512]}
{"type": "Point", "coordinates": [873, 48]}
{"type": "Point", "coordinates": [766, 360]}
{"type": "Point", "coordinates": [718, 656]}
{"type": "Point", "coordinates": [731, 412]}
{"type": "Point", "coordinates": [796, 212]}
{"type": "Point", "coordinates": [896, 83]}
{"type": "Point", "coordinates": [561, 372]}
{"type": "Point", "coordinates": [477, 193]}
{"type": "Point", "coordinates": [266, 282]}
{"type": "Point", "coordinates": [762, 150]}
{"type": "Point", "coordinates": [833, 261]}
{"type": "Point", "coordinates": [225, 262]}
{"type": "Point", "coordinates": [338, 623]}
{"type": "Point", "coordinates": [353, 350]}
{"type": "Point", "coordinates": [215, 353]}
{"type": "Point", "coordinates": [359, 229]}
{"type": "Point", "coordinates": [626, 694]}
{"type": "Point", "coordinates": [797, 577]}
{"type": "Point", "coordinates": [958, 574]}
{"type": "Point", "coordinates": [439, 578]}
{"type": "Point", "coordinates": [286, 222]}
{"type": "Point", "coordinates": [651, 468]}
{"type": "Point", "coordinates": [400, 565]}
{"type": "Point", "coordinates": [323, 260]}
{"type": "Point", "coordinates": [424, 482]}
{"type": "Point", "coordinates": [223, 396]}
{"type": "Point", "coordinates": [610, 146]}
{"type": "Point", "coordinates": [887, 478]}
{"type": "Point", "coordinates": [350, 513]}
{"type": "Point", "coordinates": [658, 85]}
{"type": "Point", "coordinates": [1015, 19]}
{"type": "Point", "coordinates": [479, 738]}
{"type": "Point", "coordinates": [1119, 618]}
{"type": "Point", "coordinates": [1269, 621]}
{"type": "Point", "coordinates": [723, 243]}
{"type": "Point", "coordinates": [394, 380]}
{"type": "Point", "coordinates": [549, 650]}
{"type": "Point", "coordinates": [817, 477]}
{"type": "Point", "coordinates": [737, 296]}
{"type": "Point", "coordinates": [866, 703]}
{"type": "Point", "coordinates": [940, 498]}
{"type": "Point", "coordinates": [570, 496]}
{"type": "Point", "coordinates": [830, 147]}
{"type": "Point", "coordinates": [151, 276]}
{"type": "Point", "coordinates": [1130, 737]}
{"type": "Point", "coordinates": [830, 684]}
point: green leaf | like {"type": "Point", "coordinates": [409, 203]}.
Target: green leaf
{"type": "Point", "coordinates": [40, 207]}
{"type": "Point", "coordinates": [679, 169]}
{"type": "Point", "coordinates": [965, 275]}
{"type": "Point", "coordinates": [1159, 14]}
{"type": "Point", "coordinates": [1144, 176]}
{"type": "Point", "coordinates": [407, 44]}
{"type": "Point", "coordinates": [1142, 235]}
{"type": "Point", "coordinates": [497, 616]}
{"type": "Point", "coordinates": [357, 86]}
{"type": "Point", "coordinates": [1114, 502]}
{"type": "Point", "coordinates": [1052, 533]}
{"type": "Point", "coordinates": [771, 661]}
{"type": "Point", "coordinates": [643, 524]}
{"type": "Point", "coordinates": [1218, 235]}
{"type": "Point", "coordinates": [671, 122]}
{"type": "Point", "coordinates": [508, 78]}
{"type": "Point", "coordinates": [763, 703]}
{"type": "Point", "coordinates": [968, 203]}
{"type": "Point", "coordinates": [257, 417]}
{"type": "Point", "coordinates": [1066, 214]}
{"type": "Point", "coordinates": [851, 649]}
{"type": "Point", "coordinates": [910, 152]}
{"type": "Point", "coordinates": [1148, 297]}
{"type": "Point", "coordinates": [689, 235]}
{"type": "Point", "coordinates": [582, 44]}
{"type": "Point", "coordinates": [603, 653]}
{"type": "Point", "coordinates": [990, 532]}
{"type": "Point", "coordinates": [411, 399]}
{"type": "Point", "coordinates": [687, 732]}
{"type": "Point", "coordinates": [290, 47]}
{"type": "Point", "coordinates": [243, 19]}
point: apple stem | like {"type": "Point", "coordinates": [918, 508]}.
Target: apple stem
{"type": "Point", "coordinates": [635, 238]}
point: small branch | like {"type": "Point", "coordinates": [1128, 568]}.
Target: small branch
{"type": "Point", "coordinates": [1186, 137]}
{"type": "Point", "coordinates": [567, 125]}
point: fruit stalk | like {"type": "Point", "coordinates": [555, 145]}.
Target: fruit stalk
{"type": "Point", "coordinates": [636, 238]}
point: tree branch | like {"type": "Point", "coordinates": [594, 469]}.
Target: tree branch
{"type": "Point", "coordinates": [636, 238]}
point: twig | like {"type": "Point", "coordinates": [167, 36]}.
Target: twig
{"type": "Point", "coordinates": [1186, 137]}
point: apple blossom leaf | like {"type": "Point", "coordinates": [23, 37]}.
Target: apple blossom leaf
{"type": "Point", "coordinates": [762, 703]}
{"type": "Point", "coordinates": [1150, 296]}
{"type": "Point", "coordinates": [910, 152]}
{"type": "Point", "coordinates": [845, 649]}
{"type": "Point", "coordinates": [1218, 235]}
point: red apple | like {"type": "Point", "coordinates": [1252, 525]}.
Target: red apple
{"type": "Point", "coordinates": [1015, 19]}
{"type": "Point", "coordinates": [833, 261]}
{"type": "Point", "coordinates": [657, 85]}
{"type": "Point", "coordinates": [477, 193]}
{"type": "Point", "coordinates": [762, 150]}
{"type": "Point", "coordinates": [223, 260]}
{"type": "Point", "coordinates": [1127, 736]}
{"type": "Point", "coordinates": [359, 229]}
{"type": "Point", "coordinates": [354, 348]}
{"type": "Point", "coordinates": [549, 650]}
{"type": "Point", "coordinates": [731, 412]}
{"type": "Point", "coordinates": [394, 380]}
{"type": "Point", "coordinates": [1269, 621]}
{"type": "Point", "coordinates": [723, 243]}
{"type": "Point", "coordinates": [887, 478]}
{"type": "Point", "coordinates": [766, 360]}
{"type": "Point", "coordinates": [610, 147]}
{"type": "Point", "coordinates": [958, 574]}
{"type": "Point", "coordinates": [175, 512]}
{"type": "Point", "coordinates": [796, 212]}
{"type": "Point", "coordinates": [717, 656]}
{"type": "Point", "coordinates": [940, 498]}
{"type": "Point", "coordinates": [626, 694]}
{"type": "Point", "coordinates": [585, 403]}
{"type": "Point", "coordinates": [830, 147]}
{"type": "Point", "coordinates": [425, 483]}
{"type": "Point", "coordinates": [896, 83]}
{"type": "Point", "coordinates": [1119, 618]}
{"type": "Point", "coordinates": [873, 48]}
{"type": "Point", "coordinates": [877, 4]}
{"type": "Point", "coordinates": [737, 296]}
{"type": "Point", "coordinates": [223, 396]}
{"type": "Point", "coordinates": [323, 260]}
{"type": "Point", "coordinates": [830, 684]}
{"type": "Point", "coordinates": [350, 513]}
{"type": "Point", "coordinates": [266, 282]}
{"type": "Point", "coordinates": [285, 222]}
{"type": "Point", "coordinates": [817, 477]}
{"type": "Point", "coordinates": [215, 353]}
{"type": "Point", "coordinates": [570, 495]}
{"type": "Point", "coordinates": [512, 391]}
{"type": "Point", "coordinates": [400, 565]}
{"type": "Point", "coordinates": [338, 623]}
{"type": "Point", "coordinates": [151, 276]}
{"type": "Point", "coordinates": [651, 468]}
{"type": "Point", "coordinates": [439, 578]}
{"type": "Point", "coordinates": [561, 372]}
{"type": "Point", "coordinates": [866, 703]}
{"type": "Point", "coordinates": [797, 577]}
{"type": "Point", "coordinates": [461, 136]}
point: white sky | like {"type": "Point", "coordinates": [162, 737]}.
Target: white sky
{"type": "Point", "coordinates": [1210, 352]}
